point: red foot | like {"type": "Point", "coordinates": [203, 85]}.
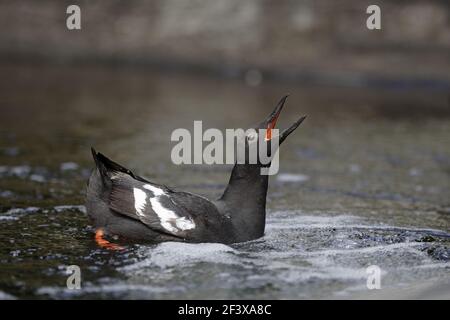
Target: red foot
{"type": "Point", "coordinates": [105, 244]}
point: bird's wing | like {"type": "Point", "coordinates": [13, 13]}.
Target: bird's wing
{"type": "Point", "coordinates": [157, 206]}
{"type": "Point", "coordinates": [180, 214]}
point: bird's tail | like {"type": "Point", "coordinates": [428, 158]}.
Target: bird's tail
{"type": "Point", "coordinates": [106, 166]}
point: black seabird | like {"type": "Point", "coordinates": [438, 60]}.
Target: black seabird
{"type": "Point", "coordinates": [126, 206]}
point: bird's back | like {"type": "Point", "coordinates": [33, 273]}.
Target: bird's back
{"type": "Point", "coordinates": [133, 207]}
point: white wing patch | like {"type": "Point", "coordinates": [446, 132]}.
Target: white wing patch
{"type": "Point", "coordinates": [140, 201]}
{"type": "Point", "coordinates": [166, 216]}
{"type": "Point", "coordinates": [156, 191]}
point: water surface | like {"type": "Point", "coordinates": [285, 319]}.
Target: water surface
{"type": "Point", "coordinates": [364, 181]}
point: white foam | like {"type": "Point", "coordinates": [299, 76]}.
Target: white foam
{"type": "Point", "coordinates": [441, 265]}
{"type": "Point", "coordinates": [365, 250]}
{"type": "Point", "coordinates": [6, 296]}
{"type": "Point", "coordinates": [8, 218]}
{"type": "Point", "coordinates": [289, 220]}
{"type": "Point", "coordinates": [297, 256]}
{"type": "Point", "coordinates": [70, 208]}
{"type": "Point", "coordinates": [176, 254]}
{"type": "Point", "coordinates": [108, 288]}
{"type": "Point", "coordinates": [67, 166]}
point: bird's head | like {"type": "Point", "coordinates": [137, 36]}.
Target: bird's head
{"type": "Point", "coordinates": [262, 141]}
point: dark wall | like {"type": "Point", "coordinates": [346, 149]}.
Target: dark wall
{"type": "Point", "coordinates": [294, 35]}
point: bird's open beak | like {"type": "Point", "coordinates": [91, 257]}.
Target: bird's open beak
{"type": "Point", "coordinates": [272, 121]}
{"type": "Point", "coordinates": [289, 130]}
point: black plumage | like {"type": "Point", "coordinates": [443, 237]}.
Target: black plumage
{"type": "Point", "coordinates": [123, 204]}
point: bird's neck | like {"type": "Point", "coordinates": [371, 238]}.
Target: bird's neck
{"type": "Point", "coordinates": [245, 200]}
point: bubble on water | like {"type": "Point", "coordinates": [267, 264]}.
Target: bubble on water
{"type": "Point", "coordinates": [68, 166]}
{"type": "Point", "coordinates": [6, 194]}
{"type": "Point", "coordinates": [292, 177]}
{"type": "Point", "coordinates": [37, 178]}
{"type": "Point", "coordinates": [79, 208]}
{"type": "Point", "coordinates": [15, 171]}
{"type": "Point", "coordinates": [8, 218]}
{"type": "Point", "coordinates": [37, 174]}
{"type": "Point", "coordinates": [16, 213]}
{"type": "Point", "coordinates": [21, 211]}
{"type": "Point", "coordinates": [15, 253]}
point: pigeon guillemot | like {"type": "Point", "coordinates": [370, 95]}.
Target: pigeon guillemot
{"type": "Point", "coordinates": [126, 206]}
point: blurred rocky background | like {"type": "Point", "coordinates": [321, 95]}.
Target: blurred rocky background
{"type": "Point", "coordinates": [312, 41]}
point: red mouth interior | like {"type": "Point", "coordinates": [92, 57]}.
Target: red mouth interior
{"type": "Point", "coordinates": [270, 126]}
